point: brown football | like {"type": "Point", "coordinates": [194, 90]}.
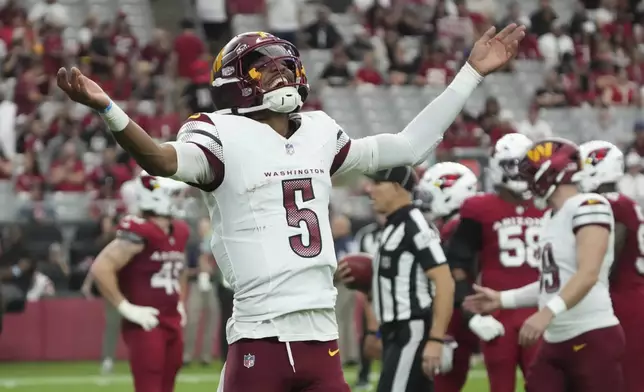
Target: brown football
{"type": "Point", "coordinates": [361, 270]}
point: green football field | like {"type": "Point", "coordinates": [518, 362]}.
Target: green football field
{"type": "Point", "coordinates": [84, 377]}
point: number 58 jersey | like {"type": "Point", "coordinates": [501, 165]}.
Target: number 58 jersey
{"type": "Point", "coordinates": [504, 236]}
{"type": "Point", "coordinates": [269, 210]}
{"type": "Point", "coordinates": [559, 264]}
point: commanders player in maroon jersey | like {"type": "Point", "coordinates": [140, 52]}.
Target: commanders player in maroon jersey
{"type": "Point", "coordinates": [603, 167]}
{"type": "Point", "coordinates": [442, 190]}
{"type": "Point", "coordinates": [141, 273]}
{"type": "Point", "coordinates": [501, 230]}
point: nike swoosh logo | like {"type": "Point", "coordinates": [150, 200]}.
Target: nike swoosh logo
{"type": "Point", "coordinates": [578, 347]}
{"type": "Point", "coordinates": [334, 352]}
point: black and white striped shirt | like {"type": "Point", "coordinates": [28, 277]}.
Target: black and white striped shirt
{"type": "Point", "coordinates": [408, 247]}
{"type": "Point", "coordinates": [366, 239]}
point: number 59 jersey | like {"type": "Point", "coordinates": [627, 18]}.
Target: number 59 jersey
{"type": "Point", "coordinates": [505, 237]}
{"type": "Point", "coordinates": [559, 264]}
{"type": "Point", "coordinates": [151, 278]}
{"type": "Point", "coordinates": [270, 210]}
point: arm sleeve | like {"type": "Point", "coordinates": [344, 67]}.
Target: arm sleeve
{"type": "Point", "coordinates": [426, 246]}
{"type": "Point", "coordinates": [413, 144]}
{"type": "Point", "coordinates": [465, 244]}
{"type": "Point", "coordinates": [523, 297]}
{"type": "Point", "coordinates": [593, 211]}
{"type": "Point", "coordinates": [200, 158]}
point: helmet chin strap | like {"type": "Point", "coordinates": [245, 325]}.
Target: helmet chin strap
{"type": "Point", "coordinates": [283, 100]}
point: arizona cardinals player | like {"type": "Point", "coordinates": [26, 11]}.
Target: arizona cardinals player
{"type": "Point", "coordinates": [444, 187]}
{"type": "Point", "coordinates": [265, 171]}
{"type": "Point", "coordinates": [603, 167]}
{"type": "Point", "coordinates": [141, 274]}
{"type": "Point", "coordinates": [583, 342]}
{"type": "Point", "coordinates": [497, 240]}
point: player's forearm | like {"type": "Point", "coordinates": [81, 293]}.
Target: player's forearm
{"type": "Point", "coordinates": [443, 305]}
{"type": "Point", "coordinates": [183, 286]}
{"type": "Point", "coordinates": [158, 160]}
{"type": "Point", "coordinates": [523, 297]}
{"type": "Point", "coordinates": [106, 280]}
{"type": "Point", "coordinates": [370, 317]}
{"type": "Point", "coordinates": [577, 287]}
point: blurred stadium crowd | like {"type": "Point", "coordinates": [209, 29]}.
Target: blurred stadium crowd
{"type": "Point", "coordinates": [373, 64]}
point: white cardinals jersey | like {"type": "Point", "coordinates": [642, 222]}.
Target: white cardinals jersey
{"type": "Point", "coordinates": [559, 264]}
{"type": "Point", "coordinates": [270, 212]}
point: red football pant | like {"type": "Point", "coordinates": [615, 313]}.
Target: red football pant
{"type": "Point", "coordinates": [454, 381]}
{"type": "Point", "coordinates": [503, 354]}
{"type": "Point", "coordinates": [630, 312]}
{"type": "Point", "coordinates": [155, 357]}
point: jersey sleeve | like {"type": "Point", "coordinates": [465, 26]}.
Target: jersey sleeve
{"type": "Point", "coordinates": [592, 210]}
{"type": "Point", "coordinates": [131, 228]}
{"type": "Point", "coordinates": [426, 246]}
{"type": "Point", "coordinates": [200, 130]}
{"type": "Point", "coordinates": [466, 241]}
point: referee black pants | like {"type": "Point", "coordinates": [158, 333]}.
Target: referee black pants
{"type": "Point", "coordinates": [402, 357]}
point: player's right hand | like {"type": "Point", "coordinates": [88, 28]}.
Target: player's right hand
{"type": "Point", "coordinates": [372, 347]}
{"type": "Point", "coordinates": [484, 300]}
{"type": "Point", "coordinates": [486, 327]}
{"type": "Point", "coordinates": [82, 89]}
{"type": "Point", "coordinates": [343, 273]}
{"type": "Point", "coordinates": [145, 316]}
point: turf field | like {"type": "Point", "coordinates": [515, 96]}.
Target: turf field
{"type": "Point", "coordinates": [83, 377]}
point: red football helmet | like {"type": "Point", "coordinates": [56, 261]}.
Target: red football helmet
{"type": "Point", "coordinates": [237, 82]}
{"type": "Point", "coordinates": [548, 164]}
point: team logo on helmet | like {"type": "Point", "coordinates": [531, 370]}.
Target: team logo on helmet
{"type": "Point", "coordinates": [447, 180]}
{"type": "Point", "coordinates": [540, 152]}
{"type": "Point", "coordinates": [150, 182]}
{"type": "Point", "coordinates": [597, 156]}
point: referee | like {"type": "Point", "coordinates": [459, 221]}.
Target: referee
{"type": "Point", "coordinates": [412, 321]}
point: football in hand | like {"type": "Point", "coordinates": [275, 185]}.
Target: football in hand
{"type": "Point", "coordinates": [361, 271]}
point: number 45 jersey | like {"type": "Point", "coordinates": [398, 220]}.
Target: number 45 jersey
{"type": "Point", "coordinates": [270, 210]}
{"type": "Point", "coordinates": [559, 264]}
{"type": "Point", "coordinates": [505, 238]}
{"type": "Point", "coordinates": [151, 278]}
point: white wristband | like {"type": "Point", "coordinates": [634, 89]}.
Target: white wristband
{"type": "Point", "coordinates": [115, 118]}
{"type": "Point", "coordinates": [557, 305]}
{"type": "Point", "coordinates": [508, 299]}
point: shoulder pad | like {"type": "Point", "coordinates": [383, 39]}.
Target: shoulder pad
{"type": "Point", "coordinates": [133, 228]}
{"type": "Point", "coordinates": [200, 129]}
{"type": "Point", "coordinates": [472, 206]}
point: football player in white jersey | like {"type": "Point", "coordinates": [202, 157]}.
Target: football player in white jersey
{"type": "Point", "coordinates": [583, 341]}
{"type": "Point", "coordinates": [265, 172]}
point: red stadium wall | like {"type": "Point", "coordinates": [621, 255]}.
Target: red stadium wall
{"type": "Point", "coordinates": [68, 329]}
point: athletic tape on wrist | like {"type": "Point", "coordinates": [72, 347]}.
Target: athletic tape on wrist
{"type": "Point", "coordinates": [115, 118]}
{"type": "Point", "coordinates": [557, 305]}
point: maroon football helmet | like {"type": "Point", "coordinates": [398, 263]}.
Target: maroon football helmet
{"type": "Point", "coordinates": [548, 164]}
{"type": "Point", "coordinates": [237, 83]}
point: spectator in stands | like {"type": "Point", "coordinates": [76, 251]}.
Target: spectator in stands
{"type": "Point", "coordinates": [322, 34]}
{"type": "Point", "coordinates": [535, 127]}
{"type": "Point", "coordinates": [16, 268]}
{"type": "Point", "coordinates": [6, 166]}
{"type": "Point", "coordinates": [145, 88]}
{"type": "Point", "coordinates": [109, 167]}
{"type": "Point", "coordinates": [29, 176]}
{"type": "Point", "coordinates": [552, 94]}
{"type": "Point", "coordinates": [360, 45]}
{"type": "Point", "coordinates": [53, 50]}
{"type": "Point", "coordinates": [164, 124]}
{"type": "Point", "coordinates": [124, 44]}
{"type": "Point", "coordinates": [9, 11]}
{"type": "Point", "coordinates": [632, 183]}
{"type": "Point", "coordinates": [336, 73]}
{"type": "Point", "coordinates": [100, 52]}
{"type": "Point", "coordinates": [637, 145]}
{"type": "Point", "coordinates": [27, 95]}
{"type": "Point", "coordinates": [622, 91]}
{"type": "Point", "coordinates": [502, 126]}
{"type": "Point", "coordinates": [554, 44]}
{"type": "Point", "coordinates": [491, 110]}
{"type": "Point", "coordinates": [542, 18]}
{"type": "Point", "coordinates": [188, 47]}
{"type": "Point", "coordinates": [215, 21]}
{"type": "Point", "coordinates": [433, 70]}
{"type": "Point", "coordinates": [67, 172]}
{"type": "Point", "coordinates": [49, 11]}
{"type": "Point", "coordinates": [283, 18]}
{"type": "Point", "coordinates": [196, 96]}
{"type": "Point", "coordinates": [37, 209]}
{"type": "Point", "coordinates": [56, 267]}
{"type": "Point", "coordinates": [158, 51]}
{"type": "Point", "coordinates": [400, 70]}
{"type": "Point", "coordinates": [368, 72]}
{"type": "Point", "coordinates": [514, 15]}
{"type": "Point", "coordinates": [119, 86]}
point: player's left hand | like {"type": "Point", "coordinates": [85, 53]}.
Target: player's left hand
{"type": "Point", "coordinates": [534, 327]}
{"type": "Point", "coordinates": [79, 88]}
{"type": "Point", "coordinates": [492, 50]}
{"type": "Point", "coordinates": [182, 312]}
{"type": "Point", "coordinates": [432, 354]}
{"type": "Point", "coordinates": [343, 273]}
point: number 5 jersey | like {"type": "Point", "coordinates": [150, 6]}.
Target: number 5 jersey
{"type": "Point", "coordinates": [151, 278]}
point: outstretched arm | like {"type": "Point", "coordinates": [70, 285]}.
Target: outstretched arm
{"type": "Point", "coordinates": [413, 144]}
{"type": "Point", "coordinates": [183, 161]}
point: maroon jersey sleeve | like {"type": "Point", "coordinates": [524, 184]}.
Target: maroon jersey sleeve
{"type": "Point", "coordinates": [200, 130]}
{"type": "Point", "coordinates": [628, 268]}
{"type": "Point", "coordinates": [343, 144]}
{"type": "Point", "coordinates": [132, 228]}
